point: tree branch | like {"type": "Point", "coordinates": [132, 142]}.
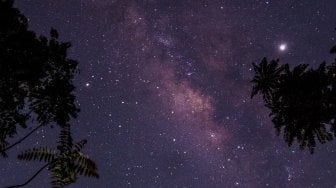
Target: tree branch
{"type": "Point", "coordinates": [28, 181]}
{"type": "Point", "coordinates": [22, 139]}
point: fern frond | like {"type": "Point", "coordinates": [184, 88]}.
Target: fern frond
{"type": "Point", "coordinates": [40, 154]}
{"type": "Point", "coordinates": [65, 139]}
{"type": "Point", "coordinates": [62, 173]}
{"type": "Point", "coordinates": [56, 183]}
{"type": "Point", "coordinates": [55, 175]}
{"type": "Point", "coordinates": [80, 145]}
{"type": "Point", "coordinates": [85, 166]}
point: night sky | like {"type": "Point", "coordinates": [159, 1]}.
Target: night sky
{"type": "Point", "coordinates": [164, 91]}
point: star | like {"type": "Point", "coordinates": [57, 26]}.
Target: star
{"type": "Point", "coordinates": [283, 47]}
{"type": "Point", "coordinates": [163, 83]}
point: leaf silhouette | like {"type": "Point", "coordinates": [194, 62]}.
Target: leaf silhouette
{"type": "Point", "coordinates": [35, 76]}
{"type": "Point", "coordinates": [302, 101]}
{"type": "Point", "coordinates": [67, 162]}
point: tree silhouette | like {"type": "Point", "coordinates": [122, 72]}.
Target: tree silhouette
{"type": "Point", "coordinates": [302, 101]}
{"type": "Point", "coordinates": [36, 85]}
{"type": "Point", "coordinates": [65, 163]}
{"type": "Point", "coordinates": [35, 76]}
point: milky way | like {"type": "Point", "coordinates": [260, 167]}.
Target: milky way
{"type": "Point", "coordinates": [164, 90]}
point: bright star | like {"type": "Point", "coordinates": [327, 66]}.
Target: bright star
{"type": "Point", "coordinates": [283, 47]}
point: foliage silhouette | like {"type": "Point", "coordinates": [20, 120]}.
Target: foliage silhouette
{"type": "Point", "coordinates": [35, 76]}
{"type": "Point", "coordinates": [36, 85]}
{"type": "Point", "coordinates": [65, 163]}
{"type": "Point", "coordinates": [302, 101]}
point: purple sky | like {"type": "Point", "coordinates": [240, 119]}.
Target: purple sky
{"type": "Point", "coordinates": [164, 90]}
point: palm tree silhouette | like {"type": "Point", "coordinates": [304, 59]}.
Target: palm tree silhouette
{"type": "Point", "coordinates": [266, 79]}
{"type": "Point", "coordinates": [302, 101]}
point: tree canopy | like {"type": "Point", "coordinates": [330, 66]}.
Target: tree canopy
{"type": "Point", "coordinates": [35, 76]}
{"type": "Point", "coordinates": [36, 84]}
{"type": "Point", "coordinates": [302, 100]}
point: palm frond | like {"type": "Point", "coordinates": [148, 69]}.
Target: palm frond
{"type": "Point", "coordinates": [266, 78]}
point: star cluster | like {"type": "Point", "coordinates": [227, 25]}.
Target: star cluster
{"type": "Point", "coordinates": [164, 90]}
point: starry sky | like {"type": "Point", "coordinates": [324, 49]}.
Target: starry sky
{"type": "Point", "coordinates": [164, 91]}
